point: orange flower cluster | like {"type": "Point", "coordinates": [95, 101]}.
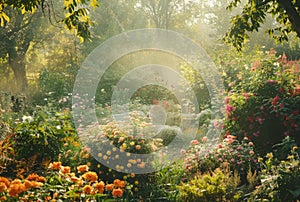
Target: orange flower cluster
{"type": "Point", "coordinates": [55, 165]}
{"type": "Point", "coordinates": [90, 176]}
{"type": "Point", "coordinates": [82, 168]}
{"type": "Point", "coordinates": [89, 180]}
{"type": "Point", "coordinates": [17, 187]}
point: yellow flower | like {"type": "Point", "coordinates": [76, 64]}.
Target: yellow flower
{"type": "Point", "coordinates": [269, 155]}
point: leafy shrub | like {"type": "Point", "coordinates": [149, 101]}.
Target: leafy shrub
{"type": "Point", "coordinates": [236, 155]}
{"type": "Point", "coordinates": [263, 105]}
{"type": "Point", "coordinates": [279, 179]}
{"type": "Point", "coordinates": [40, 138]}
{"type": "Point", "coordinates": [58, 82]}
{"type": "Point", "coordinates": [215, 186]}
{"type": "Point", "coordinates": [63, 185]}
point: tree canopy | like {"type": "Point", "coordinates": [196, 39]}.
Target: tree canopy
{"type": "Point", "coordinates": [285, 12]}
{"type": "Point", "coordinates": [76, 12]}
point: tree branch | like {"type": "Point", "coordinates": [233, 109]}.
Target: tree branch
{"type": "Point", "coordinates": [292, 13]}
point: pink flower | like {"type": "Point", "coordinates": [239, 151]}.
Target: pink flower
{"type": "Point", "coordinates": [121, 139]}
{"type": "Point", "coordinates": [220, 146]}
{"type": "Point", "coordinates": [229, 109]}
{"type": "Point", "coordinates": [232, 160]}
{"type": "Point", "coordinates": [255, 65]}
{"type": "Point", "coordinates": [227, 100]}
{"type": "Point", "coordinates": [246, 96]}
{"type": "Point", "coordinates": [204, 139]}
{"type": "Point", "coordinates": [256, 134]}
{"type": "Point", "coordinates": [251, 152]}
{"type": "Point", "coordinates": [250, 144]}
{"type": "Point", "coordinates": [195, 142]}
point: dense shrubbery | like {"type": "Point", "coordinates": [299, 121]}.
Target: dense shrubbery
{"type": "Point", "coordinates": [263, 104]}
{"type": "Point", "coordinates": [257, 160]}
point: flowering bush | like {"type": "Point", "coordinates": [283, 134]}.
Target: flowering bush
{"type": "Point", "coordinates": [46, 134]}
{"type": "Point", "coordinates": [263, 106]}
{"type": "Point", "coordinates": [62, 184]}
{"type": "Point", "coordinates": [237, 155]}
{"type": "Point", "coordinates": [279, 179]}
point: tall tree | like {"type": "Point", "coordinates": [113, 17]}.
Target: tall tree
{"type": "Point", "coordinates": [76, 12]}
{"type": "Point", "coordinates": [286, 13]}
{"type": "Point", "coordinates": [17, 36]}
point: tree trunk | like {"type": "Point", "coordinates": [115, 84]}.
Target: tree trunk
{"type": "Point", "coordinates": [18, 66]}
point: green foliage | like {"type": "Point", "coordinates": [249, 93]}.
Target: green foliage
{"type": "Point", "coordinates": [45, 134]}
{"type": "Point", "coordinates": [76, 18]}
{"type": "Point", "coordinates": [262, 104]}
{"type": "Point", "coordinates": [236, 155]}
{"type": "Point", "coordinates": [279, 179]}
{"type": "Point", "coordinates": [163, 183]}
{"type": "Point", "coordinates": [64, 184]}
{"type": "Point", "coordinates": [254, 14]}
{"type": "Point", "coordinates": [58, 83]}
{"type": "Point", "coordinates": [214, 186]}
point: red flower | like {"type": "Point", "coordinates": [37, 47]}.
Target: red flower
{"type": "Point", "coordinates": [275, 100]}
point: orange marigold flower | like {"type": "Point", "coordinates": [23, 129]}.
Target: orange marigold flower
{"type": "Point", "coordinates": [32, 177]}
{"type": "Point", "coordinates": [41, 179]}
{"type": "Point", "coordinates": [55, 165]}
{"type": "Point", "coordinates": [117, 192]}
{"type": "Point", "coordinates": [100, 187]}
{"type": "Point", "coordinates": [90, 176]}
{"type": "Point", "coordinates": [66, 169]}
{"type": "Point", "coordinates": [77, 180]}
{"type": "Point", "coordinates": [15, 189]}
{"type": "Point", "coordinates": [87, 189]}
{"type": "Point", "coordinates": [3, 198]}
{"type": "Point", "coordinates": [5, 181]}
{"type": "Point", "coordinates": [3, 187]}
{"type": "Point", "coordinates": [36, 184]}
{"type": "Point", "coordinates": [27, 184]}
{"type": "Point", "coordinates": [16, 181]}
{"type": "Point", "coordinates": [109, 187]}
{"type": "Point", "coordinates": [119, 183]}
{"type": "Point", "coordinates": [82, 168]}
